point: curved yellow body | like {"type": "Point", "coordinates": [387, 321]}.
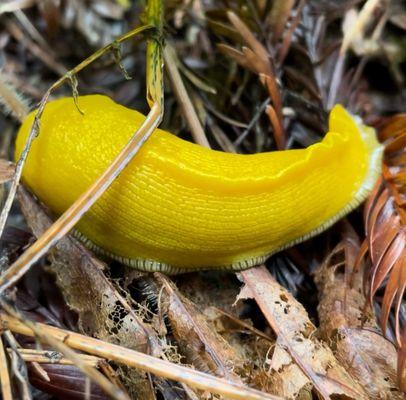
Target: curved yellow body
{"type": "Point", "coordinates": [179, 206]}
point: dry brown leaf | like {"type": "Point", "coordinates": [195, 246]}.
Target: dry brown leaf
{"type": "Point", "coordinates": [197, 339]}
{"type": "Point", "coordinates": [250, 347]}
{"type": "Point", "coordinates": [300, 360]}
{"type": "Point", "coordinates": [351, 331]}
{"type": "Point", "coordinates": [103, 312]}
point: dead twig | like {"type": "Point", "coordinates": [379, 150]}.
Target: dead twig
{"type": "Point", "coordinates": [16, 5]}
{"type": "Point", "coordinates": [4, 375]}
{"type": "Point", "coordinates": [54, 357]}
{"type": "Point", "coordinates": [183, 98]}
{"type": "Point", "coordinates": [135, 359]}
{"type": "Point", "coordinates": [19, 369]}
{"type": "Point", "coordinates": [14, 351]}
{"type": "Point", "coordinates": [58, 344]}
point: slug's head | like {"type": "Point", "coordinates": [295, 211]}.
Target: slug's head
{"type": "Point", "coordinates": [362, 140]}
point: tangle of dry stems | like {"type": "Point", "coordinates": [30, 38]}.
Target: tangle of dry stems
{"type": "Point", "coordinates": [256, 58]}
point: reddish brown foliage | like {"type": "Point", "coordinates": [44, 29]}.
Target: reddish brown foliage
{"type": "Point", "coordinates": [385, 223]}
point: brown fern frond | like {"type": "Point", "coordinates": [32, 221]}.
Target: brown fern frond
{"type": "Point", "coordinates": [385, 225]}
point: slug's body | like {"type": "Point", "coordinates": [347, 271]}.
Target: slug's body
{"type": "Point", "coordinates": [181, 207]}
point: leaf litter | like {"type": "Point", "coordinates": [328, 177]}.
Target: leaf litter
{"type": "Point", "coordinates": [266, 338]}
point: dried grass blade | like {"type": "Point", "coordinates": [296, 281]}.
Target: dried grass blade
{"type": "Point", "coordinates": [4, 374]}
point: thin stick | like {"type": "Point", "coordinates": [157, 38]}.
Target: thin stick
{"type": "Point", "coordinates": [33, 32]}
{"type": "Point", "coordinates": [18, 368]}
{"type": "Point", "coordinates": [53, 357]}
{"type": "Point", "coordinates": [14, 351]}
{"type": "Point", "coordinates": [254, 120]}
{"type": "Point", "coordinates": [277, 128]}
{"type": "Point", "coordinates": [183, 98]}
{"type": "Point", "coordinates": [4, 375]}
{"type": "Point", "coordinates": [15, 5]}
{"type": "Point", "coordinates": [135, 359]}
{"type": "Point", "coordinates": [92, 373]}
{"type": "Point", "coordinates": [112, 390]}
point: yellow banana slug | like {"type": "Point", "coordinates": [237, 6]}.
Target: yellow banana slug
{"type": "Point", "coordinates": [180, 207]}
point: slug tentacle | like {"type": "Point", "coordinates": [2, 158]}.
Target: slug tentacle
{"type": "Point", "coordinates": [180, 207]}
